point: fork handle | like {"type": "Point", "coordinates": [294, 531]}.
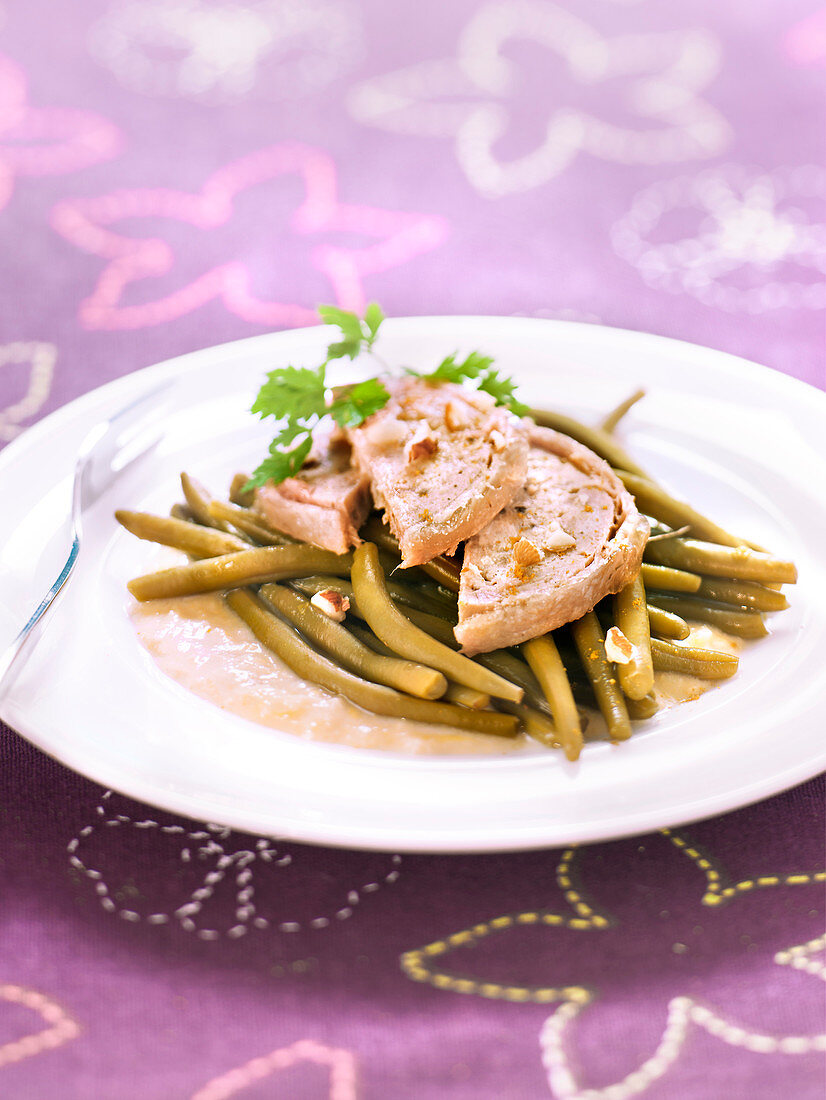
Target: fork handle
{"type": "Point", "coordinates": [9, 656]}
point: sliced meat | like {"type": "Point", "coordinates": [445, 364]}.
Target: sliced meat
{"type": "Point", "coordinates": [326, 503]}
{"type": "Point", "coordinates": [571, 537]}
{"type": "Point", "coordinates": [442, 461]}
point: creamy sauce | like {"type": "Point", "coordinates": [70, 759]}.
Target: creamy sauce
{"type": "Point", "coordinates": [201, 644]}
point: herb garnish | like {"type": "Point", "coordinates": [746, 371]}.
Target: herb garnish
{"type": "Point", "coordinates": [299, 396]}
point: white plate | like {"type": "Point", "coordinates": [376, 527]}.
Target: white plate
{"type": "Point", "coordinates": [743, 443]}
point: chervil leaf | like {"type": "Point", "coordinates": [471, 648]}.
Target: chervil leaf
{"type": "Point", "coordinates": [373, 318]}
{"type": "Point", "coordinates": [351, 331]}
{"type": "Point", "coordinates": [502, 390]}
{"type": "Point", "coordinates": [295, 392]}
{"type": "Point", "coordinates": [356, 403]}
{"type": "Point", "coordinates": [451, 371]}
{"type": "Point", "coordinates": [280, 464]}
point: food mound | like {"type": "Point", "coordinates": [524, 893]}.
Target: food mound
{"type": "Point", "coordinates": [443, 558]}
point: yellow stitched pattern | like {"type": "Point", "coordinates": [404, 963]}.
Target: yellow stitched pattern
{"type": "Point", "coordinates": [717, 894]}
{"type": "Point", "coordinates": [416, 963]}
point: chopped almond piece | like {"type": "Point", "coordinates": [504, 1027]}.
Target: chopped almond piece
{"type": "Point", "coordinates": [332, 603]}
{"type": "Point", "coordinates": [618, 648]}
{"type": "Point", "coordinates": [422, 445]}
{"type": "Point", "coordinates": [525, 553]}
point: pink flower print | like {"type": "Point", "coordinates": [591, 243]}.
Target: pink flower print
{"type": "Point", "coordinates": [600, 970]}
{"type": "Point", "coordinates": [628, 99]}
{"type": "Point", "coordinates": [734, 238]}
{"type": "Point", "coordinates": [339, 1063]}
{"type": "Point", "coordinates": [805, 42]}
{"type": "Point", "coordinates": [175, 273]}
{"type": "Point", "coordinates": [50, 141]}
{"type": "Point", "coordinates": [60, 1027]}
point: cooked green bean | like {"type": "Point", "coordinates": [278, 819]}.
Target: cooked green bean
{"type": "Point", "coordinates": [456, 693]}
{"type": "Point", "coordinates": [595, 439]}
{"type": "Point", "coordinates": [609, 422]}
{"type": "Point", "coordinates": [198, 500]}
{"type": "Point", "coordinates": [307, 663]}
{"type": "Point", "coordinates": [466, 697]}
{"type": "Point", "coordinates": [671, 580]}
{"type": "Point", "coordinates": [266, 563]}
{"type": "Point", "coordinates": [249, 522]}
{"type": "Point", "coordinates": [401, 593]}
{"type": "Point", "coordinates": [745, 624]}
{"type": "Point", "coordinates": [182, 511]}
{"type": "Point", "coordinates": [546, 665]}
{"type": "Point", "coordinates": [590, 645]}
{"type": "Point", "coordinates": [343, 647]}
{"type": "Point", "coordinates": [237, 494]}
{"type": "Point", "coordinates": [389, 624]}
{"type": "Point", "coordinates": [743, 594]}
{"type": "Point", "coordinates": [535, 724]}
{"type": "Point", "coordinates": [179, 533]}
{"type": "Point", "coordinates": [636, 676]}
{"type": "Point", "coordinates": [735, 563]}
{"type": "Point", "coordinates": [705, 664]}
{"type": "Point", "coordinates": [666, 623]}
{"type": "Point", "coordinates": [656, 502]}
{"type": "Point", "coordinates": [444, 572]}
{"type": "Point", "coordinates": [640, 709]}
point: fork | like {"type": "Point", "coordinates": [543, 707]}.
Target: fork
{"type": "Point", "coordinates": [110, 447]}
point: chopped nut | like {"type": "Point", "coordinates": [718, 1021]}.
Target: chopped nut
{"type": "Point", "coordinates": [617, 647]}
{"type": "Point", "coordinates": [481, 400]}
{"type": "Point", "coordinates": [525, 553]}
{"type": "Point", "coordinates": [332, 603]}
{"type": "Point", "coordinates": [387, 433]}
{"type": "Point", "coordinates": [558, 539]}
{"type": "Point", "coordinates": [456, 417]}
{"type": "Point", "coordinates": [422, 445]}
{"type": "Point", "coordinates": [498, 440]}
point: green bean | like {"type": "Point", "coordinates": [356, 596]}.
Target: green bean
{"type": "Point", "coordinates": [674, 580]}
{"type": "Point", "coordinates": [535, 724]}
{"type": "Point", "coordinates": [636, 676]}
{"type": "Point", "coordinates": [444, 572]}
{"type": "Point", "coordinates": [466, 697]}
{"type": "Point", "coordinates": [401, 593]}
{"type": "Point", "coordinates": [179, 533]}
{"type": "Point", "coordinates": [199, 500]}
{"type": "Point", "coordinates": [666, 623]}
{"type": "Point", "coordinates": [656, 502]}
{"type": "Point", "coordinates": [456, 693]}
{"type": "Point", "coordinates": [182, 512]}
{"type": "Point", "coordinates": [340, 644]}
{"type": "Point", "coordinates": [389, 624]}
{"type": "Point", "coordinates": [307, 663]}
{"type": "Point", "coordinates": [251, 523]}
{"type": "Point", "coordinates": [266, 563]}
{"type": "Point", "coordinates": [546, 665]}
{"type": "Point", "coordinates": [590, 645]}
{"type": "Point", "coordinates": [744, 594]}
{"type": "Point", "coordinates": [640, 709]}
{"type": "Point", "coordinates": [734, 563]}
{"type": "Point", "coordinates": [609, 422]}
{"type": "Point", "coordinates": [705, 664]}
{"type": "Point", "coordinates": [745, 624]}
{"type": "Point", "coordinates": [237, 494]}
{"type": "Point", "coordinates": [600, 442]}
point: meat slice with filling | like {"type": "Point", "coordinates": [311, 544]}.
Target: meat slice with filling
{"type": "Point", "coordinates": [572, 536]}
{"type": "Point", "coordinates": [326, 503]}
{"type": "Point", "coordinates": [442, 461]}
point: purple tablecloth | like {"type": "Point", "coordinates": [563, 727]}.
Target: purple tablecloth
{"type": "Point", "coordinates": [176, 173]}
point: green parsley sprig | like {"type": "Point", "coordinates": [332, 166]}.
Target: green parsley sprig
{"type": "Point", "coordinates": [299, 396]}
